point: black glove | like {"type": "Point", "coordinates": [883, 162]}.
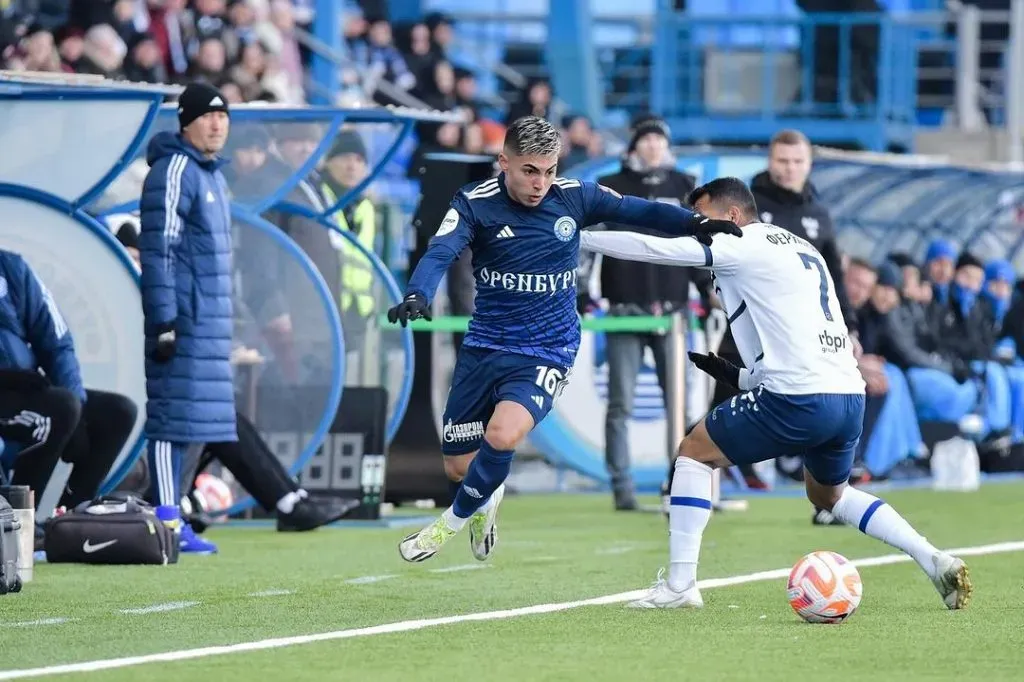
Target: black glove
{"type": "Point", "coordinates": [716, 367]}
{"type": "Point", "coordinates": [704, 228]}
{"type": "Point", "coordinates": [412, 308]}
{"type": "Point", "coordinates": [962, 370]}
{"type": "Point", "coordinates": [166, 344]}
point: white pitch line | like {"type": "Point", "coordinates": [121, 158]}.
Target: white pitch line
{"type": "Point", "coordinates": [460, 567]}
{"type": "Point", "coordinates": [271, 593]}
{"type": "Point", "coordinates": [33, 623]}
{"type": "Point", "coordinates": [367, 579]}
{"type": "Point", "coordinates": [420, 624]}
{"type": "Point", "coordinates": [160, 608]}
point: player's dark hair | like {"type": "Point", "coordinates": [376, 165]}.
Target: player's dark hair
{"type": "Point", "coordinates": [532, 136]}
{"type": "Point", "coordinates": [861, 263]}
{"type": "Point", "coordinates": [727, 192]}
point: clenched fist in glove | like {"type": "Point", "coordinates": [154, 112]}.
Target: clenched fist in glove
{"type": "Point", "coordinates": [412, 308]}
{"type": "Point", "coordinates": [714, 366]}
{"type": "Point", "coordinates": [704, 228]}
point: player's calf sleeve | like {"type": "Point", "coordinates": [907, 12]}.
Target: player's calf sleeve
{"type": "Point", "coordinates": [165, 471]}
{"type": "Point", "coordinates": [489, 469]}
{"type": "Point", "coordinates": [876, 518]}
{"type": "Point", "coordinates": [689, 512]}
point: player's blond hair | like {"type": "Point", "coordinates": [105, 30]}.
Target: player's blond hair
{"type": "Point", "coordinates": [532, 136]}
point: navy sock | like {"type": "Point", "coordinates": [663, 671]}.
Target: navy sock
{"type": "Point", "coordinates": [489, 469]}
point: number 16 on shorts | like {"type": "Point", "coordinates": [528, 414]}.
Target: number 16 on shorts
{"type": "Point", "coordinates": [551, 380]}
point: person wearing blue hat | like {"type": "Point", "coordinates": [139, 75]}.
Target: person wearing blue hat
{"type": "Point", "coordinates": [939, 267]}
{"type": "Point", "coordinates": [1006, 318]}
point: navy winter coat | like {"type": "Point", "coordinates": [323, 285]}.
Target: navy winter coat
{"type": "Point", "coordinates": [33, 333]}
{"type": "Point", "coordinates": [185, 245]}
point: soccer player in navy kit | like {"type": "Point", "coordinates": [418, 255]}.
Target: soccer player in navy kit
{"type": "Point", "coordinates": [523, 227]}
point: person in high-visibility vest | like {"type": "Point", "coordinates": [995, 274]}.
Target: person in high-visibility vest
{"type": "Point", "coordinates": [345, 168]}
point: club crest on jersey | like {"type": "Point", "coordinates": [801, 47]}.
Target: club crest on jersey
{"type": "Point", "coordinates": [565, 228]}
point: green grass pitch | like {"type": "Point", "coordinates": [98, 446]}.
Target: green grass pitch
{"type": "Point", "coordinates": [552, 549]}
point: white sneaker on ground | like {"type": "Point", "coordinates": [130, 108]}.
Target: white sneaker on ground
{"type": "Point", "coordinates": [483, 526]}
{"type": "Point", "coordinates": [661, 596]}
{"type": "Point", "coordinates": [952, 580]}
{"type": "Point", "coordinates": [425, 543]}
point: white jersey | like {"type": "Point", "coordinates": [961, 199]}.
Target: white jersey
{"type": "Point", "coordinates": [780, 299]}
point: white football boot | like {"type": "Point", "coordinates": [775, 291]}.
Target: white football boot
{"type": "Point", "coordinates": [661, 596]}
{"type": "Point", "coordinates": [483, 526]}
{"type": "Point", "coordinates": [425, 543]}
{"type": "Point", "coordinates": [952, 580]}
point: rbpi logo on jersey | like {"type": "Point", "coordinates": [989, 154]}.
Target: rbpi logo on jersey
{"type": "Point", "coordinates": [565, 228]}
{"type": "Point", "coordinates": [831, 343]}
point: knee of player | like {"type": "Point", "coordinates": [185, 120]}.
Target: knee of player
{"type": "Point", "coordinates": [824, 497]}
{"type": "Point", "coordinates": [455, 468]}
{"type": "Point", "coordinates": [503, 436]}
{"type": "Point", "coordinates": [690, 448]}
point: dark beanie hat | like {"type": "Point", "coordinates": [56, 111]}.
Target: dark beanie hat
{"type": "Point", "coordinates": [966, 259]}
{"type": "Point", "coordinates": [890, 275]}
{"type": "Point", "coordinates": [646, 126]}
{"type": "Point", "coordinates": [348, 142]}
{"type": "Point", "coordinates": [197, 100]}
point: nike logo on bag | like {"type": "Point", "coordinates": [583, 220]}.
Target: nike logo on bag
{"type": "Point", "coordinates": [90, 548]}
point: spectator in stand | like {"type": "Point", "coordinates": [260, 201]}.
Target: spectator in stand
{"type": "Point", "coordinates": [377, 58]}
{"type": "Point", "coordinates": [71, 45]}
{"type": "Point", "coordinates": [997, 296]}
{"type": "Point", "coordinates": [144, 64]}
{"type": "Point", "coordinates": [442, 33]}
{"type": "Point", "coordinates": [534, 100]}
{"type": "Point", "coordinates": [466, 96]}
{"type": "Point", "coordinates": [210, 61]}
{"type": "Point", "coordinates": [103, 52]}
{"type": "Point", "coordinates": [962, 334]}
{"type": "Point", "coordinates": [438, 90]}
{"type": "Point", "coordinates": [938, 264]}
{"type": "Point", "coordinates": [578, 133]}
{"type": "Point", "coordinates": [414, 43]}
{"type": "Point", "coordinates": [40, 52]}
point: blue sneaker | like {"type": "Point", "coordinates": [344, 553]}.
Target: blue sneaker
{"type": "Point", "coordinates": [191, 543]}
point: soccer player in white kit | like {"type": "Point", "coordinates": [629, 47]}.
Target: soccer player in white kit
{"type": "Point", "coordinates": [804, 395]}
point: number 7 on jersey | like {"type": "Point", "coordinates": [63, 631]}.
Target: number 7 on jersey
{"type": "Point", "coordinates": [812, 261]}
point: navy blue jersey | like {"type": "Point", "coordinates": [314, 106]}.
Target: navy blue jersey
{"type": "Point", "coordinates": [525, 259]}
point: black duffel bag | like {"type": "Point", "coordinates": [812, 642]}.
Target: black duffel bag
{"type": "Point", "coordinates": [112, 529]}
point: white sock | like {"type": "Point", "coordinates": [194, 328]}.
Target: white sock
{"type": "Point", "coordinates": [876, 518]}
{"type": "Point", "coordinates": [688, 515]}
{"type": "Point", "coordinates": [287, 503]}
{"type": "Point", "coordinates": [454, 522]}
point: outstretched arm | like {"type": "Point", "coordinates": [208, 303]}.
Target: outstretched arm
{"type": "Point", "coordinates": [607, 205]}
{"type": "Point", "coordinates": [683, 251]}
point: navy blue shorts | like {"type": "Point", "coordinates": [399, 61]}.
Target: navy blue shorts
{"type": "Point", "coordinates": [823, 428]}
{"type": "Point", "coordinates": [483, 378]}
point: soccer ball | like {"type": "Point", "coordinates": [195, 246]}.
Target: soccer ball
{"type": "Point", "coordinates": [214, 495]}
{"type": "Point", "coordinates": [824, 587]}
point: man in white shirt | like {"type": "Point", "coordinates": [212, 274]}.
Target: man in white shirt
{"type": "Point", "coordinates": [804, 395]}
